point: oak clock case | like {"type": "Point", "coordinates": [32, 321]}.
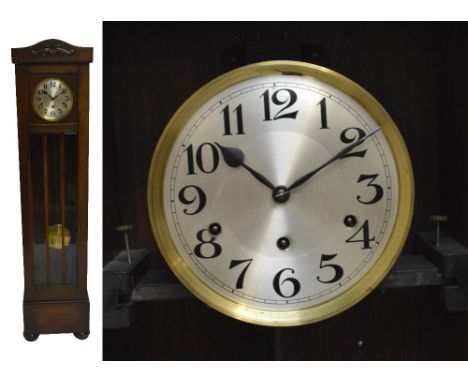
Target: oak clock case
{"type": "Point", "coordinates": [52, 89]}
{"type": "Point", "coordinates": [281, 193]}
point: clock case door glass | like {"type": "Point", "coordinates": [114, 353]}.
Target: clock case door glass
{"type": "Point", "coordinates": [54, 193]}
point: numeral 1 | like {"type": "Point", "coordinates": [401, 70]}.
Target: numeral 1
{"type": "Point", "coordinates": [227, 120]}
{"type": "Point", "coordinates": [323, 113]}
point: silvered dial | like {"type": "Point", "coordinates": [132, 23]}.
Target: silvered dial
{"type": "Point", "coordinates": [52, 99]}
{"type": "Point", "coordinates": [280, 193]}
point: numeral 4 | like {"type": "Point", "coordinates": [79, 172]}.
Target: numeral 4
{"type": "Point", "coordinates": [366, 239]}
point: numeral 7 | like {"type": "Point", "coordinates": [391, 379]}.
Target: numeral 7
{"type": "Point", "coordinates": [240, 279]}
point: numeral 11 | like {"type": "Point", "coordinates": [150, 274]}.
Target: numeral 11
{"type": "Point", "coordinates": [227, 120]}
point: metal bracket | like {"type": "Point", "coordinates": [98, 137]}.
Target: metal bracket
{"type": "Point", "coordinates": [445, 265]}
{"type": "Point", "coordinates": [451, 258]}
{"type": "Point", "coordinates": [120, 278]}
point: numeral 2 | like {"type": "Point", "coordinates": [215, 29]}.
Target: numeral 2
{"type": "Point", "coordinates": [345, 138]}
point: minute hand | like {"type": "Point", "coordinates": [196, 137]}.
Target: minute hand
{"type": "Point", "coordinates": [339, 155]}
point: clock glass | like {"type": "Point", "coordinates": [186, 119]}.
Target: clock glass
{"type": "Point", "coordinates": [52, 99]}
{"type": "Point", "coordinates": [281, 193]}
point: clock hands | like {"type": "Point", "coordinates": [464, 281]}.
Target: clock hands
{"type": "Point", "coordinates": [339, 155]}
{"type": "Point", "coordinates": [234, 157]}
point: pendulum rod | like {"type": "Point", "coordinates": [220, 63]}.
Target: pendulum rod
{"type": "Point", "coordinates": [63, 256]}
{"type": "Point", "coordinates": [45, 171]}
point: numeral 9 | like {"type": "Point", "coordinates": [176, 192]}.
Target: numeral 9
{"type": "Point", "coordinates": [200, 197]}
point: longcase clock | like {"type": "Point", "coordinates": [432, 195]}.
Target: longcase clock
{"type": "Point", "coordinates": [52, 88]}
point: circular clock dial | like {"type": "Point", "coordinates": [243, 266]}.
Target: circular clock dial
{"type": "Point", "coordinates": [281, 193]}
{"type": "Point", "coordinates": [52, 99]}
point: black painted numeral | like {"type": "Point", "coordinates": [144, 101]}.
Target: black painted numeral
{"type": "Point", "coordinates": [227, 120]}
{"type": "Point", "coordinates": [215, 247]}
{"type": "Point", "coordinates": [350, 135]}
{"type": "Point", "coordinates": [198, 159]}
{"type": "Point", "coordinates": [240, 279]}
{"type": "Point", "coordinates": [378, 189]}
{"type": "Point", "coordinates": [294, 282]}
{"type": "Point", "coordinates": [280, 97]}
{"type": "Point", "coordinates": [323, 113]}
{"type": "Point", "coordinates": [366, 239]}
{"type": "Point", "coordinates": [336, 268]}
{"type": "Point", "coordinates": [200, 197]}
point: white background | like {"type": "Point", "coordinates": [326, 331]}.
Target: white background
{"type": "Point", "coordinates": [79, 22]}
{"type": "Point", "coordinates": [40, 359]}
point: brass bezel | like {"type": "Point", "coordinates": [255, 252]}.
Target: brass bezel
{"type": "Point", "coordinates": [271, 317]}
{"type": "Point", "coordinates": [46, 117]}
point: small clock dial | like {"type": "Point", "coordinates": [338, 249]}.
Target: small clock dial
{"type": "Point", "coordinates": [52, 99]}
{"type": "Point", "coordinates": [280, 194]}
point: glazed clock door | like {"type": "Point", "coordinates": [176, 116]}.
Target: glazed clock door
{"type": "Point", "coordinates": [54, 213]}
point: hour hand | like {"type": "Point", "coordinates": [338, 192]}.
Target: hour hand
{"type": "Point", "coordinates": [234, 157]}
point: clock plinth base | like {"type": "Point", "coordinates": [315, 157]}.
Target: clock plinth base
{"type": "Point", "coordinates": [54, 317]}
